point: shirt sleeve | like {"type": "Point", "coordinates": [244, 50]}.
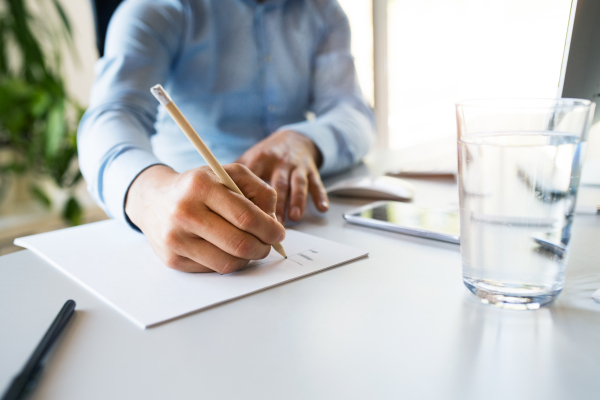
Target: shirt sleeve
{"type": "Point", "coordinates": [344, 127]}
{"type": "Point", "coordinates": [113, 139]}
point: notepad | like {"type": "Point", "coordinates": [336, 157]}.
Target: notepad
{"type": "Point", "coordinates": [119, 266]}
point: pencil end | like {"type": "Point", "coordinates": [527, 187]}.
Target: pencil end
{"type": "Point", "coordinates": [160, 94]}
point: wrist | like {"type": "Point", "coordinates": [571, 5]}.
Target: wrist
{"type": "Point", "coordinates": [310, 146]}
{"type": "Point", "coordinates": [146, 186]}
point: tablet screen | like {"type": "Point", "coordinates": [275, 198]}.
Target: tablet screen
{"type": "Point", "coordinates": [410, 216]}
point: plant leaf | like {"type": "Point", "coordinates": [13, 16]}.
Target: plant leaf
{"type": "Point", "coordinates": [55, 130]}
{"type": "Point", "coordinates": [33, 63]}
{"type": "Point", "coordinates": [3, 41]}
{"type": "Point", "coordinates": [39, 195]}
{"type": "Point", "coordinates": [72, 212]}
{"type": "Point", "coordinates": [40, 103]}
{"type": "Point", "coordinates": [68, 32]}
{"type": "Point", "coordinates": [63, 17]}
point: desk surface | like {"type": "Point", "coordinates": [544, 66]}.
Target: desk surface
{"type": "Point", "coordinates": [399, 324]}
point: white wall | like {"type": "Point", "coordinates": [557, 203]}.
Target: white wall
{"type": "Point", "coordinates": [80, 74]}
{"type": "Point", "coordinates": [360, 14]}
{"type": "Point", "coordinates": [443, 51]}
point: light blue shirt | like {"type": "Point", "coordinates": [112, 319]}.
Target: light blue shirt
{"type": "Point", "coordinates": [238, 70]}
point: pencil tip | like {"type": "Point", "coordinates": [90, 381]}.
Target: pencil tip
{"type": "Point", "coordinates": [279, 248]}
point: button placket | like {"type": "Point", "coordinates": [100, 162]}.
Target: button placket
{"type": "Point", "coordinates": [265, 65]}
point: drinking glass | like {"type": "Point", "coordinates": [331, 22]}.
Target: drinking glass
{"type": "Point", "coordinates": [519, 162]}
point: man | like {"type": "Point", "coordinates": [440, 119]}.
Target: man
{"type": "Point", "coordinates": [245, 73]}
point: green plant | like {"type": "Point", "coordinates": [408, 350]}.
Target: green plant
{"type": "Point", "coordinates": [38, 118]}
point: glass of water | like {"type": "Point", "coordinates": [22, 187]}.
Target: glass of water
{"type": "Point", "coordinates": [519, 162]}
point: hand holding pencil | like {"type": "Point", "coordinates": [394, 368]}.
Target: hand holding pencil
{"type": "Point", "coordinates": [212, 218]}
{"type": "Point", "coordinates": [162, 96]}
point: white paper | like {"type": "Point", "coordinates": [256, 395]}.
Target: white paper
{"type": "Point", "coordinates": [119, 266]}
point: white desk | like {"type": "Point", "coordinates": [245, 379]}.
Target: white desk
{"type": "Point", "coordinates": [399, 324]}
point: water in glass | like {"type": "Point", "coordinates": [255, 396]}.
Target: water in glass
{"type": "Point", "coordinates": [518, 192]}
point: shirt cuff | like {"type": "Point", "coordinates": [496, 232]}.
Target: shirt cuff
{"type": "Point", "coordinates": [119, 176]}
{"type": "Point", "coordinates": [323, 138]}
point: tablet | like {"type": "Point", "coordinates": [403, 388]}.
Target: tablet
{"type": "Point", "coordinates": [408, 219]}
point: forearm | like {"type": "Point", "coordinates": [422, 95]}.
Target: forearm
{"type": "Point", "coordinates": [114, 134]}
{"type": "Point", "coordinates": [114, 147]}
{"type": "Point", "coordinates": [343, 135]}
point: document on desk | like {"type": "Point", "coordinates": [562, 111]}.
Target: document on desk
{"type": "Point", "coordinates": [119, 266]}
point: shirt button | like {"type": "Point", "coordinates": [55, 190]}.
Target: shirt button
{"type": "Point", "coordinates": [268, 58]}
{"type": "Point", "coordinates": [271, 108]}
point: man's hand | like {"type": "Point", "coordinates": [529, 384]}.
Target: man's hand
{"type": "Point", "coordinates": [195, 224]}
{"type": "Point", "coordinates": [289, 161]}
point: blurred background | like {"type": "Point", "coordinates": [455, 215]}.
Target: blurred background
{"type": "Point", "coordinates": [414, 60]}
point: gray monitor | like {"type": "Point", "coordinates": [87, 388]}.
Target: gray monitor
{"type": "Point", "coordinates": [580, 72]}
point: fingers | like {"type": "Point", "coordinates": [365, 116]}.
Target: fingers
{"type": "Point", "coordinates": [254, 188]}
{"type": "Point", "coordinates": [198, 255]}
{"type": "Point", "coordinates": [240, 213]}
{"type": "Point", "coordinates": [299, 188]}
{"type": "Point", "coordinates": [184, 264]}
{"type": "Point", "coordinates": [289, 161]}
{"type": "Point", "coordinates": [295, 188]}
{"type": "Point", "coordinates": [317, 191]}
{"type": "Point", "coordinates": [280, 181]}
{"type": "Point", "coordinates": [206, 254]}
{"type": "Point", "coordinates": [219, 232]}
{"type": "Point", "coordinates": [245, 216]}
{"type": "Point", "coordinates": [258, 167]}
{"type": "Point", "coordinates": [258, 161]}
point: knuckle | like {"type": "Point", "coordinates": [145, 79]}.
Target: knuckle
{"type": "Point", "coordinates": [179, 212]}
{"type": "Point", "coordinates": [238, 168]}
{"type": "Point", "coordinates": [271, 195]}
{"type": "Point", "coordinates": [170, 240]}
{"type": "Point", "coordinates": [281, 183]}
{"type": "Point", "coordinates": [281, 199]}
{"type": "Point", "coordinates": [198, 182]}
{"type": "Point", "coordinates": [245, 220]}
{"type": "Point", "coordinates": [232, 264]}
{"type": "Point", "coordinates": [242, 247]}
{"type": "Point", "coordinates": [300, 196]}
{"type": "Point", "coordinates": [300, 179]}
{"type": "Point", "coordinates": [175, 262]}
{"type": "Point", "coordinates": [271, 192]}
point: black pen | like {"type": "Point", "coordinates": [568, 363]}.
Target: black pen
{"type": "Point", "coordinates": [21, 382]}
